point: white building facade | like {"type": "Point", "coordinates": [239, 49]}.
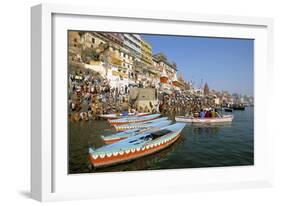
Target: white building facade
{"type": "Point", "coordinates": [132, 42]}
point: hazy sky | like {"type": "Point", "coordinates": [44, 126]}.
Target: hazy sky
{"type": "Point", "coordinates": [225, 64]}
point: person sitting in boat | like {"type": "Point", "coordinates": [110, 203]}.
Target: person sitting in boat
{"type": "Point", "coordinates": [217, 113]}
{"type": "Point", "coordinates": [207, 114]}
{"type": "Point", "coordinates": [213, 114]}
{"type": "Point", "coordinates": [125, 113]}
{"type": "Point", "coordinates": [202, 114]}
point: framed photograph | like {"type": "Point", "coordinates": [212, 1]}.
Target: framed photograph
{"type": "Point", "coordinates": [138, 102]}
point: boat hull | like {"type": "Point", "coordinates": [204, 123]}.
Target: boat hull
{"type": "Point", "coordinates": [120, 128]}
{"type": "Point", "coordinates": [139, 125]}
{"type": "Point", "coordinates": [115, 116]}
{"type": "Point", "coordinates": [129, 155]}
{"type": "Point", "coordinates": [123, 135]}
{"type": "Point", "coordinates": [110, 141]}
{"type": "Point", "coordinates": [228, 110]}
{"type": "Point", "coordinates": [226, 118]}
{"type": "Point", "coordinates": [135, 120]}
{"type": "Point", "coordinates": [239, 108]}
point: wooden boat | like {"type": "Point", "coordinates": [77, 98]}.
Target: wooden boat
{"type": "Point", "coordinates": [128, 133]}
{"type": "Point", "coordinates": [242, 108]}
{"type": "Point", "coordinates": [223, 118]}
{"type": "Point", "coordinates": [136, 146]}
{"type": "Point", "coordinates": [117, 116]}
{"type": "Point", "coordinates": [148, 124]}
{"type": "Point", "coordinates": [127, 120]}
{"type": "Point", "coordinates": [228, 110]}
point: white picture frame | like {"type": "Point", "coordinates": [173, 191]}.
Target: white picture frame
{"type": "Point", "coordinates": [49, 181]}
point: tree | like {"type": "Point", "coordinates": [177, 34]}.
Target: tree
{"type": "Point", "coordinates": [206, 89]}
{"type": "Point", "coordinates": [94, 53]}
{"type": "Point", "coordinates": [174, 65]}
{"type": "Point", "coordinates": [160, 56]}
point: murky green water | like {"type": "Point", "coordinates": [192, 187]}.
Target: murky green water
{"type": "Point", "coordinates": [199, 146]}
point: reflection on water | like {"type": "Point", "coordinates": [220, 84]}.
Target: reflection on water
{"type": "Point", "coordinates": [206, 145]}
{"type": "Point", "coordinates": [145, 162]}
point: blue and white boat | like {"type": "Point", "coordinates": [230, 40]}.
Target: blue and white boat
{"type": "Point", "coordinates": [118, 116]}
{"type": "Point", "coordinates": [134, 119]}
{"type": "Point", "coordinates": [136, 146]}
{"type": "Point", "coordinates": [139, 125]}
{"type": "Point", "coordinates": [128, 133]}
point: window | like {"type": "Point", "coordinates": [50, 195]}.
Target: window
{"type": "Point", "coordinates": [93, 40]}
{"type": "Point", "coordinates": [75, 40]}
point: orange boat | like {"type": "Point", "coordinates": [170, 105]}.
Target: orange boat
{"type": "Point", "coordinates": [135, 147]}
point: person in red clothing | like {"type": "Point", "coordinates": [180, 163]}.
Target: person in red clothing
{"type": "Point", "coordinates": [207, 114]}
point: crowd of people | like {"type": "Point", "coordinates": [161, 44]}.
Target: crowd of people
{"type": "Point", "coordinates": [90, 95]}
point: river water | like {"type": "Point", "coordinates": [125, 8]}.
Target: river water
{"type": "Point", "coordinates": [217, 145]}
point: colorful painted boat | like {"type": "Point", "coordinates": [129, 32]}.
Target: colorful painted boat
{"type": "Point", "coordinates": [117, 116]}
{"type": "Point", "coordinates": [148, 124]}
{"type": "Point", "coordinates": [128, 133]}
{"type": "Point", "coordinates": [135, 147]}
{"type": "Point", "coordinates": [223, 118]}
{"type": "Point", "coordinates": [127, 120]}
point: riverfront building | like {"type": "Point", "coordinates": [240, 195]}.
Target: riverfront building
{"type": "Point", "coordinates": [146, 53]}
{"type": "Point", "coordinates": [123, 59]}
{"type": "Point", "coordinates": [74, 45]}
{"type": "Point", "coordinates": [91, 40]}
{"type": "Point", "coordinates": [167, 69]}
{"type": "Point", "coordinates": [132, 42]}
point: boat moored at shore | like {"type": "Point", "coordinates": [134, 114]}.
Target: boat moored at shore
{"type": "Point", "coordinates": [134, 119]}
{"type": "Point", "coordinates": [220, 119]}
{"type": "Point", "coordinates": [117, 116]}
{"type": "Point", "coordinates": [228, 109]}
{"type": "Point", "coordinates": [136, 146]}
{"type": "Point", "coordinates": [139, 125]}
{"type": "Point", "coordinates": [128, 133]}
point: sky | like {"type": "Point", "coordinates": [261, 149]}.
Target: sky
{"type": "Point", "coordinates": [225, 64]}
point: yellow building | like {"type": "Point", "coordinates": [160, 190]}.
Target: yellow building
{"type": "Point", "coordinates": [91, 40]}
{"type": "Point", "coordinates": [74, 42]}
{"type": "Point", "coordinates": [146, 53]}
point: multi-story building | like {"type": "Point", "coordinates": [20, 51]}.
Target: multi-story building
{"type": "Point", "coordinates": [127, 59]}
{"type": "Point", "coordinates": [167, 69]}
{"type": "Point", "coordinates": [91, 40]}
{"type": "Point", "coordinates": [146, 53]}
{"type": "Point", "coordinates": [74, 43]}
{"type": "Point", "coordinates": [132, 42]}
{"type": "Point", "coordinates": [115, 41]}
